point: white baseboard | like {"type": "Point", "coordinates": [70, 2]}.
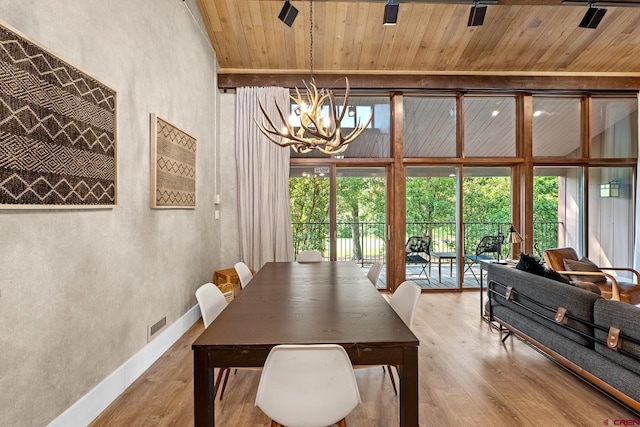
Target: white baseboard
{"type": "Point", "coordinates": [89, 406]}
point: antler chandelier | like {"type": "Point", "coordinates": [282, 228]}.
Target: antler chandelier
{"type": "Point", "coordinates": [320, 118]}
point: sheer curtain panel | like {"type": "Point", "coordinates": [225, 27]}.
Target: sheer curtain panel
{"type": "Point", "coordinates": [263, 180]}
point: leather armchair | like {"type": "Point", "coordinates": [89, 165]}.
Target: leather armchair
{"type": "Point", "coordinates": [610, 288]}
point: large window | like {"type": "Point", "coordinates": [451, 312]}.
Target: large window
{"type": "Point", "coordinates": [358, 232]}
{"type": "Point", "coordinates": [361, 226]}
{"type": "Point", "coordinates": [466, 176]}
{"type": "Point", "coordinates": [430, 126]}
{"type": "Point", "coordinates": [556, 126]}
{"type": "Point", "coordinates": [489, 126]}
{"type": "Point", "coordinates": [486, 212]}
{"type": "Point", "coordinates": [610, 228]}
{"type": "Point", "coordinates": [558, 210]}
{"type": "Point", "coordinates": [614, 127]}
{"type": "Point", "coordinates": [309, 201]}
{"type": "Point", "coordinates": [431, 213]}
{"type": "Point", "coordinates": [374, 141]}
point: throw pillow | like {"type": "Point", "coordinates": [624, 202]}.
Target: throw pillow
{"type": "Point", "coordinates": [585, 264]}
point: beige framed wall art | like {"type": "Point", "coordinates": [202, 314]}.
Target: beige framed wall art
{"type": "Point", "coordinates": [57, 131]}
{"type": "Point", "coordinates": [173, 166]}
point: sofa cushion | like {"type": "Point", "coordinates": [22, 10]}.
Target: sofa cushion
{"type": "Point", "coordinates": [541, 297]}
{"type": "Point", "coordinates": [626, 317]}
{"type": "Point", "coordinates": [584, 264]}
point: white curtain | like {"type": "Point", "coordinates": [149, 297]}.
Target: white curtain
{"type": "Point", "coordinates": [263, 180]}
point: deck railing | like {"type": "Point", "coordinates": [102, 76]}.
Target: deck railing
{"type": "Point", "coordinates": [369, 244]}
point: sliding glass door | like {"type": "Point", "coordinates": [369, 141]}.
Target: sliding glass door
{"type": "Point", "coordinates": [361, 226]}
{"type": "Point", "coordinates": [309, 202]}
{"type": "Point", "coordinates": [350, 226]}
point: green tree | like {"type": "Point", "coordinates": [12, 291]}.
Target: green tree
{"type": "Point", "coordinates": [309, 202]}
{"type": "Point", "coordinates": [431, 199]}
{"type": "Point", "coordinates": [545, 198]}
{"type": "Point", "coordinates": [360, 200]}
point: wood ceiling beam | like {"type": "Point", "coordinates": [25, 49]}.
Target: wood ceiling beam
{"type": "Point", "coordinates": [459, 82]}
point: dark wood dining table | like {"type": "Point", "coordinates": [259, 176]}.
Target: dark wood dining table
{"type": "Point", "coordinates": [306, 303]}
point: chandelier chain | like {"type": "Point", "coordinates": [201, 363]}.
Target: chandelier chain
{"type": "Point", "coordinates": [311, 37]}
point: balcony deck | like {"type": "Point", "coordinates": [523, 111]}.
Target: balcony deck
{"type": "Point", "coordinates": [448, 281]}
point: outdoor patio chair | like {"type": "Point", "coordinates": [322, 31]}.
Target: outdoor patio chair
{"type": "Point", "coordinates": [418, 251]}
{"type": "Point", "coordinates": [487, 245]}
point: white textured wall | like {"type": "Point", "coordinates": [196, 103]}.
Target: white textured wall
{"type": "Point", "coordinates": [78, 288]}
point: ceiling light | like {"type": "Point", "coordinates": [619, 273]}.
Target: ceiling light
{"type": "Point", "coordinates": [537, 113]}
{"type": "Point", "coordinates": [495, 113]}
{"type": "Point", "coordinates": [391, 13]}
{"type": "Point", "coordinates": [288, 13]}
{"type": "Point", "coordinates": [476, 16]}
{"type": "Point", "coordinates": [351, 111]}
{"type": "Point", "coordinates": [593, 17]}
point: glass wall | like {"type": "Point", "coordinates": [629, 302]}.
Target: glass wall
{"type": "Point", "coordinates": [309, 202]}
{"type": "Point", "coordinates": [430, 126]}
{"type": "Point", "coordinates": [489, 126]}
{"type": "Point", "coordinates": [458, 192]}
{"type": "Point", "coordinates": [556, 126]}
{"type": "Point", "coordinates": [614, 127]}
{"type": "Point", "coordinates": [558, 212]}
{"type": "Point", "coordinates": [611, 220]}
{"type": "Point", "coordinates": [486, 211]}
{"type": "Point", "coordinates": [431, 213]}
{"type": "Point", "coordinates": [374, 141]}
{"type": "Point", "coordinates": [361, 227]}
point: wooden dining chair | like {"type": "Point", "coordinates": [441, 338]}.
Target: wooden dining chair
{"type": "Point", "coordinates": [307, 386]}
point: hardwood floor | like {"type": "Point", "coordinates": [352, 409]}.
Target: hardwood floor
{"type": "Point", "coordinates": [468, 377]}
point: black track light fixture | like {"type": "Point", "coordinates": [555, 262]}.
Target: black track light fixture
{"type": "Point", "coordinates": [391, 13]}
{"type": "Point", "coordinates": [593, 17]}
{"type": "Point", "coordinates": [476, 16]}
{"type": "Point", "coordinates": [288, 13]}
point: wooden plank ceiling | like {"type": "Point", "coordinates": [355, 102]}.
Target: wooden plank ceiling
{"type": "Point", "coordinates": [526, 37]}
{"type": "Point", "coordinates": [529, 44]}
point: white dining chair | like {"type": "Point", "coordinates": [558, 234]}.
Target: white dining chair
{"type": "Point", "coordinates": [307, 386]}
{"type": "Point", "coordinates": [309, 256]}
{"type": "Point", "coordinates": [244, 273]}
{"type": "Point", "coordinates": [212, 302]}
{"type": "Point", "coordinates": [404, 302]}
{"type": "Point", "coordinates": [374, 272]}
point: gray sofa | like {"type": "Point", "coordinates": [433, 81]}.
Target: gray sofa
{"type": "Point", "coordinates": [531, 307]}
